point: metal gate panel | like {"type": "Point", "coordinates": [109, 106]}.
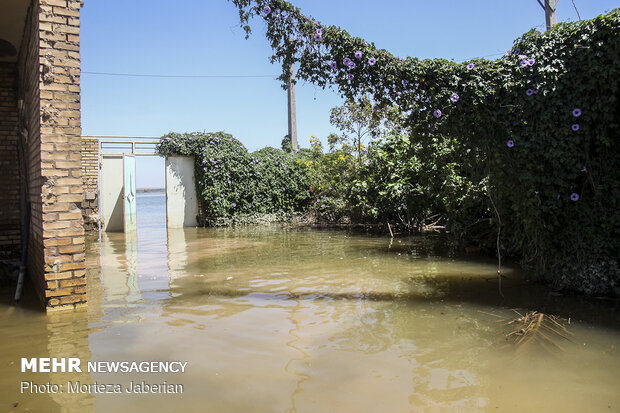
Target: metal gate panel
{"type": "Point", "coordinates": [111, 193]}
{"type": "Point", "coordinates": [129, 193]}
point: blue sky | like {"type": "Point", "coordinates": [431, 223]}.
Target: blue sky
{"type": "Point", "coordinates": [202, 37]}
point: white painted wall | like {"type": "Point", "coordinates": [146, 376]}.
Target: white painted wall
{"type": "Point", "coordinates": [181, 199]}
{"type": "Point", "coordinates": [111, 193]}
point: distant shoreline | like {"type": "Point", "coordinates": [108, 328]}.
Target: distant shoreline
{"type": "Point", "coordinates": [150, 190]}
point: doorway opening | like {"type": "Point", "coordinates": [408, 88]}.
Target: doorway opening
{"type": "Point", "coordinates": [131, 178]}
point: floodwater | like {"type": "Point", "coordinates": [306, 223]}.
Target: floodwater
{"type": "Point", "coordinates": [276, 320]}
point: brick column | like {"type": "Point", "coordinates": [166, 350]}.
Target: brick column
{"type": "Point", "coordinates": [61, 159]}
{"type": "Point", "coordinates": [50, 87]}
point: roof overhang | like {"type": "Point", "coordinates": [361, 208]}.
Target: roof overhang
{"type": "Point", "coordinates": [12, 22]}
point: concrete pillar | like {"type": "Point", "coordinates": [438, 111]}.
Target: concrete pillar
{"type": "Point", "coordinates": [181, 199]}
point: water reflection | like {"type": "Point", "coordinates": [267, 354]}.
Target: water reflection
{"type": "Point", "coordinates": [301, 320]}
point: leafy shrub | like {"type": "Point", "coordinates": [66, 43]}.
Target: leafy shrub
{"type": "Point", "coordinates": [230, 181]}
{"type": "Point", "coordinates": [536, 132]}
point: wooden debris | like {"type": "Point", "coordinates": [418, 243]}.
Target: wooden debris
{"type": "Point", "coordinates": [542, 329]}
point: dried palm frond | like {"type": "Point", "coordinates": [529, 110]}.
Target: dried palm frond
{"type": "Point", "coordinates": [535, 327]}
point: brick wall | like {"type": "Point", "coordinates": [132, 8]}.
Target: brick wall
{"type": "Point", "coordinates": [90, 176]}
{"type": "Point", "coordinates": [49, 83]}
{"type": "Point", "coordinates": [10, 199]}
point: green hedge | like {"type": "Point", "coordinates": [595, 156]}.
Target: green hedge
{"type": "Point", "coordinates": [232, 182]}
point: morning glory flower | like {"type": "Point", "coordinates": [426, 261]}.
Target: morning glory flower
{"type": "Point", "coordinates": [454, 97]}
{"type": "Point", "coordinates": [584, 169]}
{"type": "Point", "coordinates": [334, 65]}
{"type": "Point", "coordinates": [470, 66]}
{"type": "Point", "coordinates": [531, 62]}
{"type": "Point", "coordinates": [575, 127]}
{"type": "Point", "coordinates": [437, 113]}
{"type": "Point", "coordinates": [358, 54]}
{"type": "Point", "coordinates": [352, 65]}
{"type": "Point", "coordinates": [375, 108]}
{"type": "Point", "coordinates": [319, 35]}
{"type": "Point", "coordinates": [574, 197]}
{"type": "Point", "coordinates": [266, 10]}
{"type": "Point", "coordinates": [529, 92]}
{"type": "Point", "coordinates": [510, 143]}
{"type": "Point", "coordinates": [346, 61]}
{"type": "Point", "coordinates": [523, 63]}
{"type": "Point", "coordinates": [350, 76]}
{"type": "Point", "coordinates": [576, 112]}
{"type": "Point", "coordinates": [372, 61]}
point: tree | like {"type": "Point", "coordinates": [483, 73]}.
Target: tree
{"type": "Point", "coordinates": [358, 122]}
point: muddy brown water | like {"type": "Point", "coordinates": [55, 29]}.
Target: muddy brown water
{"type": "Point", "coordinates": [274, 320]}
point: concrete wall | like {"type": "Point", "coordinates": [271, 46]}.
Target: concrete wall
{"type": "Point", "coordinates": [49, 85]}
{"type": "Point", "coordinates": [181, 199]}
{"type": "Point", "coordinates": [10, 199]}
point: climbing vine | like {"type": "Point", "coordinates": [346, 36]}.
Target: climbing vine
{"type": "Point", "coordinates": [541, 124]}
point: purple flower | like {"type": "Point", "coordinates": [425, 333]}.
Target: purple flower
{"type": "Point", "coordinates": [509, 52]}
{"type": "Point", "coordinates": [522, 56]}
{"type": "Point", "coordinates": [574, 197]}
{"type": "Point", "coordinates": [584, 169]}
{"type": "Point", "coordinates": [518, 50]}
{"type": "Point", "coordinates": [217, 200]}
{"type": "Point", "coordinates": [575, 127]}
{"type": "Point", "coordinates": [334, 65]}
{"type": "Point", "coordinates": [470, 66]}
{"type": "Point", "coordinates": [454, 97]}
{"type": "Point", "coordinates": [523, 63]}
{"type": "Point", "coordinates": [358, 54]}
{"type": "Point", "coordinates": [437, 113]}
{"type": "Point", "coordinates": [234, 205]}
{"type": "Point", "coordinates": [352, 65]}
{"type": "Point", "coordinates": [266, 10]}
{"type": "Point", "coordinates": [529, 92]}
{"type": "Point", "coordinates": [535, 91]}
{"type": "Point", "coordinates": [346, 61]}
{"type": "Point", "coordinates": [576, 112]}
{"type": "Point", "coordinates": [558, 196]}
{"type": "Point", "coordinates": [372, 61]}
{"type": "Point", "coordinates": [350, 76]}
{"type": "Point", "coordinates": [319, 35]}
{"type": "Point", "coordinates": [510, 143]}
{"type": "Point", "coordinates": [531, 62]}
{"type": "Point", "coordinates": [375, 108]}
